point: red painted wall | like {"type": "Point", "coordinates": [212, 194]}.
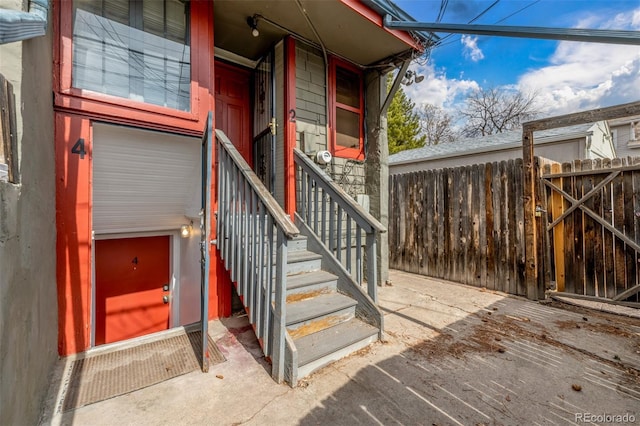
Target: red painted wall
{"type": "Point", "coordinates": [75, 110]}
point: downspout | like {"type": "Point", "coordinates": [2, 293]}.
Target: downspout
{"type": "Point", "coordinates": [18, 25]}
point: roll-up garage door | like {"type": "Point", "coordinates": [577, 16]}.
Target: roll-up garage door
{"type": "Point", "coordinates": [143, 180]}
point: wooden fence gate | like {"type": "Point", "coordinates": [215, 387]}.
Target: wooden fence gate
{"type": "Point", "coordinates": [593, 210]}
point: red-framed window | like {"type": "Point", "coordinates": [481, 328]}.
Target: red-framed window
{"type": "Point", "coordinates": [148, 58]}
{"type": "Point", "coordinates": [346, 102]}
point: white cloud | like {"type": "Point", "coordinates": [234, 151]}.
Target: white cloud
{"type": "Point", "coordinates": [589, 75]}
{"type": "Point", "coordinates": [437, 89]}
{"type": "Point", "coordinates": [471, 49]}
{"type": "Point", "coordinates": [578, 76]}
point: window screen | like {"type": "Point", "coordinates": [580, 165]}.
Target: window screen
{"type": "Point", "coordinates": [134, 49]}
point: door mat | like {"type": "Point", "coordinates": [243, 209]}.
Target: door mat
{"type": "Point", "coordinates": [105, 376]}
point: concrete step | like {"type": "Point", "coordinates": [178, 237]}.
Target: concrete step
{"type": "Point", "coordinates": [331, 344]}
{"type": "Point", "coordinates": [304, 285]}
{"type": "Point", "coordinates": [317, 313]}
{"type": "Point", "coordinates": [303, 261]}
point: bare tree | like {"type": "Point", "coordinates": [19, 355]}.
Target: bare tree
{"type": "Point", "coordinates": [495, 110]}
{"type": "Point", "coordinates": [436, 125]}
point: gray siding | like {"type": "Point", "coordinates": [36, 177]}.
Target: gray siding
{"type": "Point", "coordinates": [28, 308]}
{"type": "Point", "coordinates": [624, 141]}
{"type": "Point", "coordinates": [311, 118]}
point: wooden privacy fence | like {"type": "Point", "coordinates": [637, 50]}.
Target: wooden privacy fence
{"type": "Point", "coordinates": [463, 224]}
{"type": "Point", "coordinates": [594, 226]}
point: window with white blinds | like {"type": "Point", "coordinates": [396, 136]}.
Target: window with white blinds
{"type": "Point", "coordinates": [134, 49]}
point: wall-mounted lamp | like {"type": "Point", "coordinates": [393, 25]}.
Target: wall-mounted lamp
{"type": "Point", "coordinates": [252, 21]}
{"type": "Point", "coordinates": [185, 230]}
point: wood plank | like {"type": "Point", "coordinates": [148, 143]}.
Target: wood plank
{"type": "Point", "coordinates": [497, 227]}
{"type": "Point", "coordinates": [585, 197]}
{"type": "Point", "coordinates": [475, 188]}
{"type": "Point", "coordinates": [598, 250]}
{"type": "Point", "coordinates": [482, 223]}
{"type": "Point", "coordinates": [451, 225]}
{"type": "Point", "coordinates": [528, 199]}
{"type": "Point", "coordinates": [440, 197]}
{"type": "Point", "coordinates": [578, 232]}
{"type": "Point", "coordinates": [569, 243]}
{"type": "Point", "coordinates": [636, 203]}
{"type": "Point", "coordinates": [593, 172]}
{"type": "Point", "coordinates": [415, 196]}
{"type": "Point", "coordinates": [391, 232]}
{"type": "Point", "coordinates": [608, 248]}
{"type": "Point", "coordinates": [421, 221]}
{"type": "Point", "coordinates": [544, 248]}
{"type": "Point", "coordinates": [455, 225]}
{"type": "Point", "coordinates": [509, 230]}
{"type": "Point", "coordinates": [589, 232]}
{"type": "Point", "coordinates": [489, 172]}
{"type": "Point", "coordinates": [8, 130]}
{"type": "Point", "coordinates": [465, 226]}
{"type": "Point", "coordinates": [558, 296]}
{"type": "Point", "coordinates": [518, 223]}
{"type": "Point", "coordinates": [557, 203]}
{"type": "Point", "coordinates": [618, 223]}
{"type": "Point", "coordinates": [429, 245]}
{"type": "Point", "coordinates": [608, 113]}
{"type": "Point", "coordinates": [629, 229]}
{"type": "Point", "coordinates": [507, 207]}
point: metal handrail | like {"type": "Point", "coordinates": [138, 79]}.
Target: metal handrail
{"type": "Point", "coordinates": [251, 228]}
{"type": "Point", "coordinates": [318, 193]}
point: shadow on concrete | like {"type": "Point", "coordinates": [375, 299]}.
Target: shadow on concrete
{"type": "Point", "coordinates": [494, 366]}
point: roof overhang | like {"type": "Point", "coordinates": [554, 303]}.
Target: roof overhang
{"type": "Point", "coordinates": [350, 29]}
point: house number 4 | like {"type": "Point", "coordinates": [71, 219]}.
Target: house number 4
{"type": "Point", "coordinates": [78, 148]}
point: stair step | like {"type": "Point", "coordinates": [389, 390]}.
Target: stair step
{"type": "Point", "coordinates": [311, 281]}
{"type": "Point", "coordinates": [331, 341]}
{"type": "Point", "coordinates": [303, 261]}
{"type": "Point", "coordinates": [318, 307]}
{"type": "Point", "coordinates": [298, 243]}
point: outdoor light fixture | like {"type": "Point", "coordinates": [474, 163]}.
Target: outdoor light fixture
{"type": "Point", "coordinates": [252, 21]}
{"type": "Point", "coordinates": [412, 77]}
{"type": "Point", "coordinates": [185, 231]}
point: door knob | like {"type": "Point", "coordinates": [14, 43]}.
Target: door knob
{"type": "Point", "coordinates": [165, 299]}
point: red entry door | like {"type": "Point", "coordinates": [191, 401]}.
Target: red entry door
{"type": "Point", "coordinates": [232, 92]}
{"type": "Point", "coordinates": [130, 276]}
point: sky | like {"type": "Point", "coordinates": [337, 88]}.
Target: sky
{"type": "Point", "coordinates": [566, 76]}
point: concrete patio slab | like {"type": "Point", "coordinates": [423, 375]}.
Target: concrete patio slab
{"type": "Point", "coordinates": [452, 355]}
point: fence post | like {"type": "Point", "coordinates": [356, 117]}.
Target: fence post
{"type": "Point", "coordinates": [529, 200]}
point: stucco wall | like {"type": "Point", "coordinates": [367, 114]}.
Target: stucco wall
{"type": "Point", "coordinates": [28, 312]}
